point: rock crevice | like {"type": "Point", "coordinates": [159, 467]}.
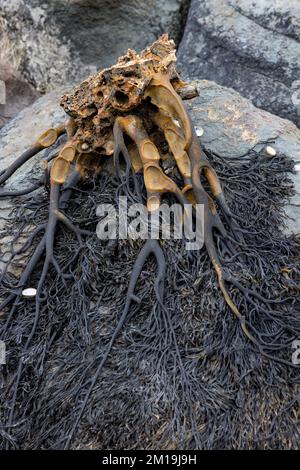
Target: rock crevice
{"type": "Point", "coordinates": [253, 48]}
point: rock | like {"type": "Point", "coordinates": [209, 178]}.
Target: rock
{"type": "Point", "coordinates": [20, 133]}
{"type": "Point", "coordinates": [231, 125]}
{"type": "Point", "coordinates": [253, 47]}
{"type": "Point", "coordinates": [62, 42]}
{"type": "Point", "coordinates": [15, 95]}
{"type": "Point", "coordinates": [17, 136]}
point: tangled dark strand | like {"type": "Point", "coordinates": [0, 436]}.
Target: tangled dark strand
{"type": "Point", "coordinates": [239, 399]}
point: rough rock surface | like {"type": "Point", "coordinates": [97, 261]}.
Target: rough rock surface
{"type": "Point", "coordinates": [61, 41]}
{"type": "Point", "coordinates": [253, 47]}
{"type": "Point", "coordinates": [15, 93]}
{"type": "Point", "coordinates": [231, 125]}
{"type": "Point", "coordinates": [18, 135]}
{"type": "Point", "coordinates": [21, 132]}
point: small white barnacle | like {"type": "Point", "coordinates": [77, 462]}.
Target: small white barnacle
{"type": "Point", "coordinates": [29, 292]}
{"type": "Point", "coordinates": [270, 151]}
{"type": "Point", "coordinates": [199, 131]}
{"type": "Point", "coordinates": [297, 167]}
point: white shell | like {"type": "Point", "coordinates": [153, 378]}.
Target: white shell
{"type": "Point", "coordinates": [84, 146]}
{"type": "Point", "coordinates": [29, 292]}
{"type": "Point", "coordinates": [199, 131]}
{"type": "Point", "coordinates": [297, 167]}
{"type": "Point", "coordinates": [270, 151]}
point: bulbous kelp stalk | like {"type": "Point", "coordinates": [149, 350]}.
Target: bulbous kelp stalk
{"type": "Point", "coordinates": [212, 221]}
{"type": "Point", "coordinates": [131, 110]}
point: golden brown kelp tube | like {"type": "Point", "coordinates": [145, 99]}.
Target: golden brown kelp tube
{"type": "Point", "coordinates": [144, 344]}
